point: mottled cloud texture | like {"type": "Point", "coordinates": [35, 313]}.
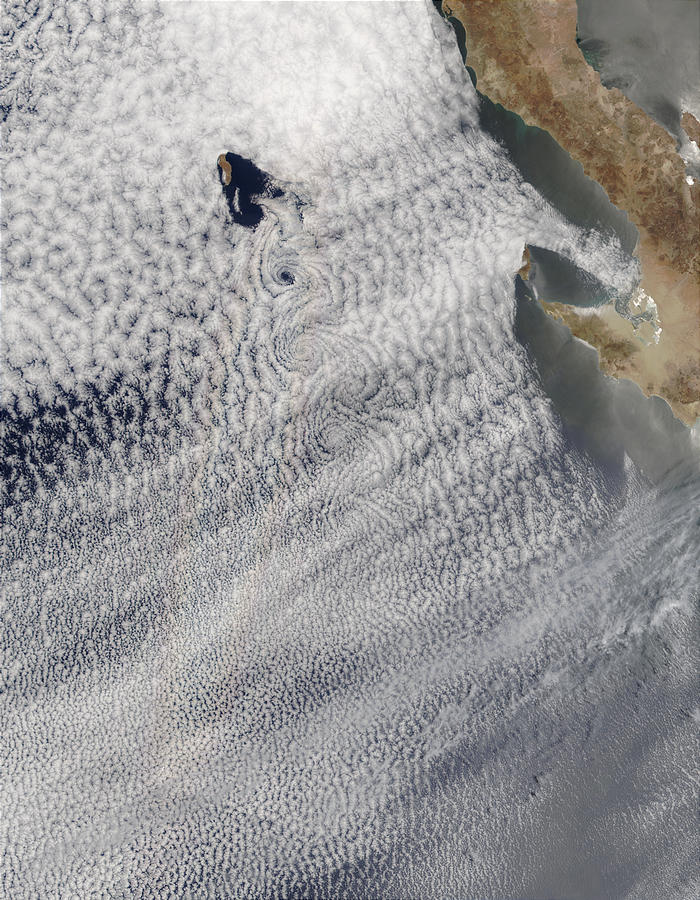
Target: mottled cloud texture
{"type": "Point", "coordinates": [306, 591]}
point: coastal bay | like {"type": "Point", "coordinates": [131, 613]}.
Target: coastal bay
{"type": "Point", "coordinates": [525, 57]}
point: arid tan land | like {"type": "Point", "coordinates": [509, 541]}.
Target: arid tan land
{"type": "Point", "coordinates": [525, 56]}
{"type": "Point", "coordinates": [691, 126]}
{"type": "Point", "coordinates": [225, 167]}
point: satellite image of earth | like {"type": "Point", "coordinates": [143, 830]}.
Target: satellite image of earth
{"type": "Point", "coordinates": [350, 450]}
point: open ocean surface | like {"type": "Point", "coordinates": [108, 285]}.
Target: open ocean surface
{"type": "Point", "coordinates": [332, 567]}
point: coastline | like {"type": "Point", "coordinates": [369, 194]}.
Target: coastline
{"type": "Point", "coordinates": [634, 160]}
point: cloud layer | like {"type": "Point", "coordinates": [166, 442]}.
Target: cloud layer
{"type": "Point", "coordinates": [307, 592]}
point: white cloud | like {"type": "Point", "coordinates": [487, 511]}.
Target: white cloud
{"type": "Point", "coordinates": [318, 576]}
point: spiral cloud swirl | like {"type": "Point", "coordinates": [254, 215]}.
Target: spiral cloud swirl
{"type": "Point", "coordinates": [308, 591]}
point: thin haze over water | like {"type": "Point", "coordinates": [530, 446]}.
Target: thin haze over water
{"type": "Point", "coordinates": [650, 50]}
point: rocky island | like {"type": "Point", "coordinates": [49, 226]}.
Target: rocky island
{"type": "Point", "coordinates": [525, 57]}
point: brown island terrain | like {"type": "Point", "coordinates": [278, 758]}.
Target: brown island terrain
{"type": "Point", "coordinates": [526, 58]}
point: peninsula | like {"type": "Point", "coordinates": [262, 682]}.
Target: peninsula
{"type": "Point", "coordinates": [525, 57]}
